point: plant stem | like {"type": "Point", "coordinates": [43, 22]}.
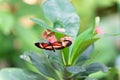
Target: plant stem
{"type": "Point", "coordinates": [66, 74]}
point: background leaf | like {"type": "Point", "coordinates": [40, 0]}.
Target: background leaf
{"type": "Point", "coordinates": [19, 74]}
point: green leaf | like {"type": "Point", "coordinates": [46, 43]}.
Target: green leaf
{"type": "Point", "coordinates": [80, 40]}
{"type": "Point", "coordinates": [55, 59]}
{"type": "Point", "coordinates": [72, 25]}
{"type": "Point", "coordinates": [40, 22]}
{"type": "Point", "coordinates": [19, 74]}
{"type": "Point", "coordinates": [42, 63]}
{"type": "Point", "coordinates": [63, 16]}
{"type": "Point", "coordinates": [88, 34]}
{"type": "Point", "coordinates": [91, 68]}
{"type": "Point", "coordinates": [46, 26]}
{"type": "Point", "coordinates": [56, 9]}
{"type": "Point", "coordinates": [75, 69]}
{"type": "Point", "coordinates": [81, 47]}
{"type": "Point", "coordinates": [6, 22]}
{"type": "Point", "coordinates": [85, 55]}
{"type": "Point", "coordinates": [95, 67]}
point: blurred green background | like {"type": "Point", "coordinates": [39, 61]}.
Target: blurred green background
{"type": "Point", "coordinates": [18, 33]}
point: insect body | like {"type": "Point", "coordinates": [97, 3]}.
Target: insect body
{"type": "Point", "coordinates": [54, 46]}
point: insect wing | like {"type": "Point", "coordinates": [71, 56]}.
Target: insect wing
{"type": "Point", "coordinates": [46, 46]}
{"type": "Point", "coordinates": [57, 45]}
{"type": "Point", "coordinates": [66, 43]}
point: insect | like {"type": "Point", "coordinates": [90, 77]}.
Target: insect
{"type": "Point", "coordinates": [53, 43]}
{"type": "Point", "coordinates": [54, 46]}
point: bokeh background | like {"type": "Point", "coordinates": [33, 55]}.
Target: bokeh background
{"type": "Point", "coordinates": [18, 33]}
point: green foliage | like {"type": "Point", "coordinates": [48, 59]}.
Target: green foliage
{"type": "Point", "coordinates": [51, 67]}
{"type": "Point", "coordinates": [69, 63]}
{"type": "Point", "coordinates": [69, 56]}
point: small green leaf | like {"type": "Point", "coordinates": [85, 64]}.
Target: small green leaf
{"type": "Point", "coordinates": [81, 48]}
{"type": "Point", "coordinates": [43, 24]}
{"type": "Point", "coordinates": [75, 69]}
{"type": "Point", "coordinates": [82, 42]}
{"type": "Point", "coordinates": [40, 22]}
{"type": "Point", "coordinates": [88, 34]}
{"type": "Point", "coordinates": [19, 74]}
{"type": "Point", "coordinates": [95, 67]}
{"type": "Point", "coordinates": [46, 26]}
